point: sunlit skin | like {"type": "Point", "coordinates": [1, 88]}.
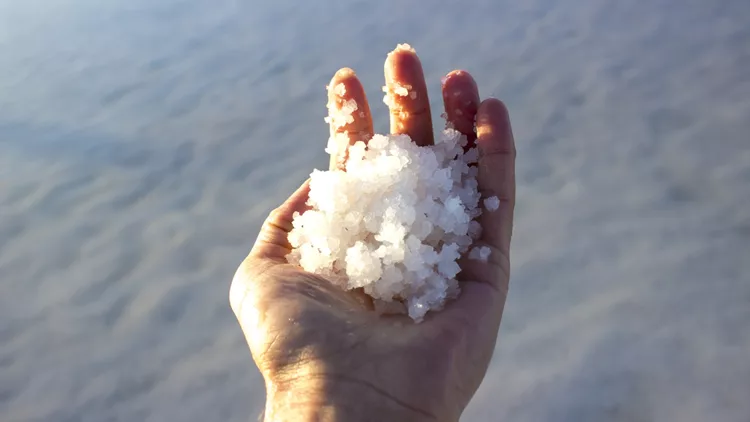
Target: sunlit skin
{"type": "Point", "coordinates": [324, 353]}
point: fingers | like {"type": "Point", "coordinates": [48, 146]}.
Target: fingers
{"type": "Point", "coordinates": [406, 95]}
{"type": "Point", "coordinates": [349, 115]}
{"type": "Point", "coordinates": [461, 101]}
{"type": "Point", "coordinates": [272, 242]}
{"type": "Point", "coordinates": [496, 173]}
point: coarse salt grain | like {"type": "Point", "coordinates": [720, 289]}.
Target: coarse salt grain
{"type": "Point", "coordinates": [402, 90]}
{"type": "Point", "coordinates": [480, 253]}
{"type": "Point", "coordinates": [492, 203]}
{"type": "Point", "coordinates": [404, 47]}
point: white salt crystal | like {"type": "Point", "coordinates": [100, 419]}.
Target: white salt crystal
{"type": "Point", "coordinates": [448, 269]}
{"type": "Point", "coordinates": [388, 100]}
{"type": "Point", "coordinates": [480, 253]}
{"type": "Point", "coordinates": [472, 155]}
{"type": "Point", "coordinates": [475, 229]}
{"type": "Point", "coordinates": [397, 89]}
{"type": "Point", "coordinates": [404, 47]}
{"type": "Point", "coordinates": [397, 219]}
{"type": "Point", "coordinates": [492, 203]}
{"type": "Point", "coordinates": [378, 142]}
{"type": "Point", "coordinates": [402, 90]}
{"type": "Point", "coordinates": [334, 144]}
{"type": "Point", "coordinates": [340, 117]}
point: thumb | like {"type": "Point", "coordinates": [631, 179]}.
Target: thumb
{"type": "Point", "coordinates": [272, 242]}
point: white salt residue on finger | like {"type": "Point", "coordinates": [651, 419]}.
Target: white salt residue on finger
{"type": "Point", "coordinates": [339, 115]}
{"type": "Point", "coordinates": [387, 97]}
{"type": "Point", "coordinates": [336, 143]}
{"type": "Point", "coordinates": [404, 47]}
{"type": "Point", "coordinates": [396, 88]}
{"type": "Point", "coordinates": [492, 203]}
{"type": "Point", "coordinates": [339, 110]}
{"type": "Point", "coordinates": [402, 90]}
{"type": "Point", "coordinates": [340, 90]}
{"type": "Point", "coordinates": [480, 253]}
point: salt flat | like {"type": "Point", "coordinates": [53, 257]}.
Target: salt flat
{"type": "Point", "coordinates": [142, 142]}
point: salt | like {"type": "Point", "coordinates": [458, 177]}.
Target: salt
{"type": "Point", "coordinates": [402, 90]}
{"type": "Point", "coordinates": [492, 203]}
{"type": "Point", "coordinates": [480, 253]}
{"type": "Point", "coordinates": [395, 219]}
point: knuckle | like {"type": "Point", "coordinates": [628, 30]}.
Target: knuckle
{"type": "Point", "coordinates": [274, 216]}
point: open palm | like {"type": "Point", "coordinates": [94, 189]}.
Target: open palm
{"type": "Point", "coordinates": [324, 353]}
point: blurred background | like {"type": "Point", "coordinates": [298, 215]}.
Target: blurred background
{"type": "Point", "coordinates": [143, 141]}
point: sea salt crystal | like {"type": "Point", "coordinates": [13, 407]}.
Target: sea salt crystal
{"type": "Point", "coordinates": [480, 253]}
{"type": "Point", "coordinates": [402, 90]}
{"type": "Point", "coordinates": [404, 47]}
{"type": "Point", "coordinates": [394, 219]}
{"type": "Point", "coordinates": [340, 111]}
{"type": "Point", "coordinates": [492, 203]}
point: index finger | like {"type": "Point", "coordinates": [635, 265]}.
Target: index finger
{"type": "Point", "coordinates": [349, 116]}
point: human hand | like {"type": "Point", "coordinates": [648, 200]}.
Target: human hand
{"type": "Point", "coordinates": [324, 353]}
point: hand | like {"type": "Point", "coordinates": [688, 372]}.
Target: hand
{"type": "Point", "coordinates": [323, 352]}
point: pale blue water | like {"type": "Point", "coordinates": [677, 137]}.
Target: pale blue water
{"type": "Point", "coordinates": [142, 142]}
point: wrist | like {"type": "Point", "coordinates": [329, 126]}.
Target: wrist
{"type": "Point", "coordinates": [340, 400]}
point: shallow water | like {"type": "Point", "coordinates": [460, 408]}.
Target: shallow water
{"type": "Point", "coordinates": [142, 142]}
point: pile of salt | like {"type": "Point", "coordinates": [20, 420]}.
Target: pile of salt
{"type": "Point", "coordinates": [396, 219]}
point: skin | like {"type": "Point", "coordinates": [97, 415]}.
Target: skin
{"type": "Point", "coordinates": [324, 353]}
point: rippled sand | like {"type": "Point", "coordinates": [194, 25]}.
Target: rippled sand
{"type": "Point", "coordinates": [142, 142]}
